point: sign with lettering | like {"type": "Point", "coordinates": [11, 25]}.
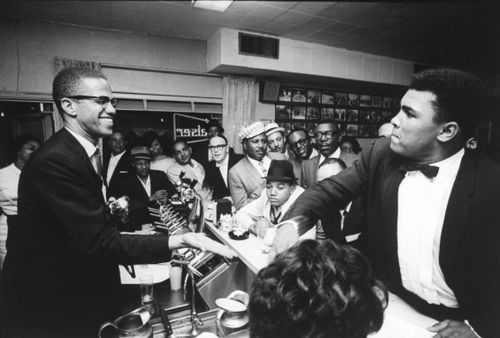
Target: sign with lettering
{"type": "Point", "coordinates": [62, 63]}
{"type": "Point", "coordinates": [192, 127]}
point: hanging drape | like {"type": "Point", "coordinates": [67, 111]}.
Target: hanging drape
{"type": "Point", "coordinates": [238, 106]}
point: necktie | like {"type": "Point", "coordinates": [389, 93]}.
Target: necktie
{"type": "Point", "coordinates": [96, 162]}
{"type": "Point", "coordinates": [275, 215]}
{"type": "Point", "coordinates": [263, 168]}
{"type": "Point", "coordinates": [428, 170]}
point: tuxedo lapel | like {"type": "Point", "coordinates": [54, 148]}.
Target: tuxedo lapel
{"type": "Point", "coordinates": [458, 210]}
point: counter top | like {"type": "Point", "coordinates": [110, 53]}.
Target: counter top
{"type": "Point", "coordinates": [249, 250]}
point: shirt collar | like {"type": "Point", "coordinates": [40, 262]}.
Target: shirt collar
{"type": "Point", "coordinates": [335, 154]}
{"type": "Point", "coordinates": [86, 144]}
{"type": "Point", "coordinates": [449, 165]}
{"type": "Point", "coordinates": [118, 155]}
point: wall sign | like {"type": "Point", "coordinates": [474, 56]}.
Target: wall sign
{"type": "Point", "coordinates": [62, 63]}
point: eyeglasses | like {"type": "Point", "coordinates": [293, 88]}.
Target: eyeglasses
{"type": "Point", "coordinates": [218, 147]}
{"type": "Point", "coordinates": [102, 100]}
{"type": "Point", "coordinates": [328, 134]}
{"type": "Point", "coordinates": [300, 143]}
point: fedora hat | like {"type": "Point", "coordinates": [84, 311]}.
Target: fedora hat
{"type": "Point", "coordinates": [280, 170]}
{"type": "Point", "coordinates": [140, 153]}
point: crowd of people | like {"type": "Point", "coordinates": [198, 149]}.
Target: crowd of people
{"type": "Point", "coordinates": [419, 206]}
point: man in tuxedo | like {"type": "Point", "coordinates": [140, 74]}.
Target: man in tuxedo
{"type": "Point", "coordinates": [218, 169]}
{"type": "Point", "coordinates": [431, 232]}
{"type": "Point", "coordinates": [61, 276]}
{"type": "Point", "coordinates": [246, 178]}
{"type": "Point", "coordinates": [117, 165]}
{"type": "Point", "coordinates": [144, 186]}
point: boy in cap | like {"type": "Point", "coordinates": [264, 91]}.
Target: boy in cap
{"type": "Point", "coordinates": [280, 193]}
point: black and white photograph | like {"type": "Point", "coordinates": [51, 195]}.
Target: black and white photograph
{"type": "Point", "coordinates": [171, 169]}
{"type": "Point", "coordinates": [299, 113]}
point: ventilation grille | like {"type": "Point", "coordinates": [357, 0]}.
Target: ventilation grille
{"type": "Point", "coordinates": [258, 45]}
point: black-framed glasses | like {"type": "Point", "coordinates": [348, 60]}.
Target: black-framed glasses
{"type": "Point", "coordinates": [300, 143]}
{"type": "Point", "coordinates": [328, 134]}
{"type": "Point", "coordinates": [218, 147]}
{"type": "Point", "coordinates": [102, 100]}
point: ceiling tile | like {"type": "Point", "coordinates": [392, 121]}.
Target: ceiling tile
{"type": "Point", "coordinates": [240, 8]}
{"type": "Point", "coordinates": [312, 7]}
{"type": "Point", "coordinates": [286, 5]}
{"type": "Point", "coordinates": [264, 13]}
{"type": "Point", "coordinates": [92, 8]}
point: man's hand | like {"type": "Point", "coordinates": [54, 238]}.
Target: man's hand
{"type": "Point", "coordinates": [452, 328]}
{"type": "Point", "coordinates": [286, 236]}
{"type": "Point", "coordinates": [158, 195]}
{"type": "Point", "coordinates": [200, 242]}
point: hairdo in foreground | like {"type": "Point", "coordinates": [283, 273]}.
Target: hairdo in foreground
{"type": "Point", "coordinates": [317, 289]}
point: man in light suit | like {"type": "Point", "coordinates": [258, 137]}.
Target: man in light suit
{"type": "Point", "coordinates": [143, 187]}
{"type": "Point", "coordinates": [218, 169]}
{"type": "Point", "coordinates": [117, 165]}
{"type": "Point", "coordinates": [431, 232]}
{"type": "Point", "coordinates": [246, 178]}
{"type": "Point", "coordinates": [61, 276]}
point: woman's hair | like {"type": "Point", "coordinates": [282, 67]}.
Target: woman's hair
{"type": "Point", "coordinates": [356, 148]}
{"type": "Point", "coordinates": [317, 289]}
{"type": "Point", "coordinates": [19, 142]}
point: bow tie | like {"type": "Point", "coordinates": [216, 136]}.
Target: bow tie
{"type": "Point", "coordinates": [428, 170]}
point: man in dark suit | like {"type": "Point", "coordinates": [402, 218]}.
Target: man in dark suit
{"type": "Point", "coordinates": [117, 165]}
{"type": "Point", "coordinates": [143, 187]}
{"type": "Point", "coordinates": [61, 277]}
{"type": "Point", "coordinates": [431, 232]}
{"type": "Point", "coordinates": [218, 169]}
{"type": "Point", "coordinates": [200, 149]}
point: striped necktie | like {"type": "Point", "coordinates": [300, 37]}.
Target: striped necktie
{"type": "Point", "coordinates": [96, 162]}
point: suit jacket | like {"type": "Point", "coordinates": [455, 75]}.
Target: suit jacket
{"type": "Point", "coordinates": [139, 199]}
{"type": "Point", "coordinates": [214, 178]}
{"type": "Point", "coordinates": [469, 254]}
{"type": "Point", "coordinates": [309, 173]}
{"type": "Point", "coordinates": [65, 249]}
{"type": "Point", "coordinates": [245, 182]}
{"type": "Point", "coordinates": [123, 168]}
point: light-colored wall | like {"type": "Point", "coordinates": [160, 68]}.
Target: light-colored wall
{"type": "Point", "coordinates": [310, 58]}
{"type": "Point", "coordinates": [28, 50]}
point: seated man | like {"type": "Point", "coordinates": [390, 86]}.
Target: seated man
{"type": "Point", "coordinates": [184, 163]}
{"type": "Point", "coordinates": [316, 289]}
{"type": "Point", "coordinates": [280, 193]}
{"type": "Point", "coordinates": [143, 187]}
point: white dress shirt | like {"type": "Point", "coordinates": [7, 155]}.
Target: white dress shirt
{"type": "Point", "coordinates": [9, 180]}
{"type": "Point", "coordinates": [422, 203]}
{"type": "Point", "coordinates": [113, 161]}
{"type": "Point", "coordinates": [223, 168]}
{"type": "Point", "coordinates": [147, 185]}
{"type": "Point", "coordinates": [335, 154]}
{"type": "Point", "coordinates": [262, 165]}
{"type": "Point", "coordinates": [90, 149]}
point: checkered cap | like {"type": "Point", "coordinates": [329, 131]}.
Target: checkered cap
{"type": "Point", "coordinates": [252, 130]}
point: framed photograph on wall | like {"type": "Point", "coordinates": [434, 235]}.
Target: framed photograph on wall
{"type": "Point", "coordinates": [326, 114]}
{"type": "Point", "coordinates": [352, 130]}
{"type": "Point", "coordinates": [365, 100]}
{"type": "Point", "coordinates": [286, 125]}
{"type": "Point", "coordinates": [377, 101]}
{"type": "Point", "coordinates": [327, 98]}
{"type": "Point", "coordinates": [313, 113]}
{"type": "Point", "coordinates": [352, 115]}
{"type": "Point", "coordinates": [353, 100]}
{"type": "Point", "coordinates": [299, 113]}
{"type": "Point", "coordinates": [341, 99]}
{"type": "Point", "coordinates": [311, 128]}
{"type": "Point", "coordinates": [364, 116]}
{"type": "Point", "coordinates": [340, 114]}
{"type": "Point", "coordinates": [313, 97]}
{"type": "Point", "coordinates": [387, 102]}
{"type": "Point", "coordinates": [282, 112]}
{"type": "Point", "coordinates": [386, 116]}
{"type": "Point", "coordinates": [285, 94]}
{"type": "Point", "coordinates": [297, 125]}
{"type": "Point", "coordinates": [299, 95]}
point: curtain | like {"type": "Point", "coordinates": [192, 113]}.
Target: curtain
{"type": "Point", "coordinates": [238, 106]}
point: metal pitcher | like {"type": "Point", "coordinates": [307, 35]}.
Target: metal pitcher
{"type": "Point", "coordinates": [231, 318]}
{"type": "Point", "coordinates": [134, 324]}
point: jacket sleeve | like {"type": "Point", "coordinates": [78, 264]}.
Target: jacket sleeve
{"type": "Point", "coordinates": [238, 192]}
{"type": "Point", "coordinates": [75, 200]}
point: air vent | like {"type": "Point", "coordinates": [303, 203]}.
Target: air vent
{"type": "Point", "coordinates": [258, 45]}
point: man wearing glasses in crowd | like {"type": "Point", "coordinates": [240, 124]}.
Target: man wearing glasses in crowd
{"type": "Point", "coordinates": [61, 276]}
{"type": "Point", "coordinates": [299, 143]}
{"type": "Point", "coordinates": [218, 169]}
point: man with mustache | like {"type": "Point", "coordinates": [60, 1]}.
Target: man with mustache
{"type": "Point", "coordinates": [184, 163]}
{"type": "Point", "coordinates": [246, 178]}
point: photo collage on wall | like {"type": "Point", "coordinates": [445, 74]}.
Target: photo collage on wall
{"type": "Point", "coordinates": [356, 114]}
